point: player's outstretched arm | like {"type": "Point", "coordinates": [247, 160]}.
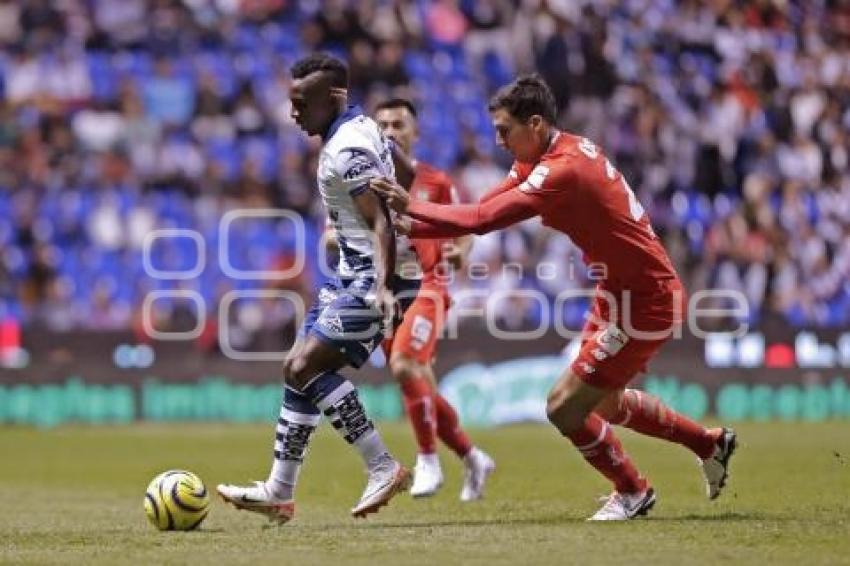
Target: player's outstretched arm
{"type": "Point", "coordinates": [446, 221]}
{"type": "Point", "coordinates": [511, 181]}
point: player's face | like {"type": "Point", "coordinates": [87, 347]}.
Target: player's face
{"type": "Point", "coordinates": [399, 125]}
{"type": "Point", "coordinates": [522, 139]}
{"type": "Point", "coordinates": [313, 107]}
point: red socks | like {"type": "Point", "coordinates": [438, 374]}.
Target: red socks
{"type": "Point", "coordinates": [647, 415]}
{"type": "Point", "coordinates": [603, 451]}
{"type": "Point", "coordinates": [449, 429]}
{"type": "Point", "coordinates": [432, 416]}
{"type": "Point", "coordinates": [419, 402]}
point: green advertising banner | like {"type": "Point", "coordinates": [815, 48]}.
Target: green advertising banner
{"type": "Point", "coordinates": [516, 390]}
{"type": "Point", "coordinates": [484, 395]}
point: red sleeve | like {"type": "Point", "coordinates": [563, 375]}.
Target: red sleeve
{"type": "Point", "coordinates": [446, 188]}
{"type": "Point", "coordinates": [517, 175]}
{"type": "Point", "coordinates": [448, 221]}
{"type": "Point", "coordinates": [422, 231]}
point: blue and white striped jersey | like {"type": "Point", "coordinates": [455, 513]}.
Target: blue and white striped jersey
{"type": "Point", "coordinates": [355, 152]}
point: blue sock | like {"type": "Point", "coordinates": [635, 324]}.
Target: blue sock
{"type": "Point", "coordinates": [337, 398]}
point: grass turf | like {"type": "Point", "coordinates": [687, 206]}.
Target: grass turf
{"type": "Point", "coordinates": [74, 495]}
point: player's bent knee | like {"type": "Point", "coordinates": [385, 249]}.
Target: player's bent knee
{"type": "Point", "coordinates": [286, 370]}
{"type": "Point", "coordinates": [564, 411]}
{"type": "Point", "coordinates": [556, 409]}
{"type": "Point", "coordinates": [566, 418]}
{"type": "Point", "coordinates": [295, 372]}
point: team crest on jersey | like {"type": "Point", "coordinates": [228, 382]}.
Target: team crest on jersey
{"type": "Point", "coordinates": [422, 194]}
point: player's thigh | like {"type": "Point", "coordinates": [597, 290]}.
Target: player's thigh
{"type": "Point", "coordinates": [416, 337]}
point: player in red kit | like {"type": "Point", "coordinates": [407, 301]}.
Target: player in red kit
{"type": "Point", "coordinates": [411, 351]}
{"type": "Point", "coordinates": [569, 183]}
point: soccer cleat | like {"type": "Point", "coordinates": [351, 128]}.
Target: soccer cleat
{"type": "Point", "coordinates": [257, 499]}
{"type": "Point", "coordinates": [427, 476]}
{"type": "Point", "coordinates": [624, 506]}
{"type": "Point", "coordinates": [477, 468]}
{"type": "Point", "coordinates": [386, 479]}
{"type": "Point", "coordinates": [715, 469]}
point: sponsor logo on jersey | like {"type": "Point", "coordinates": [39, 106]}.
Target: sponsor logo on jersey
{"type": "Point", "coordinates": [357, 163]}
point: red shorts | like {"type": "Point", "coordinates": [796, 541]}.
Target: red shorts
{"type": "Point", "coordinates": [416, 336]}
{"type": "Point", "coordinates": [616, 346]}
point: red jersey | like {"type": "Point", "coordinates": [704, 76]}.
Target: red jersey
{"type": "Point", "coordinates": [431, 185]}
{"type": "Point", "coordinates": [577, 191]}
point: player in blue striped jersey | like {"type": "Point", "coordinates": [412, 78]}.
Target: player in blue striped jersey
{"type": "Point", "coordinates": [352, 313]}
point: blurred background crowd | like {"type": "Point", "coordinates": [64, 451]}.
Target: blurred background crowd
{"type": "Point", "coordinates": [118, 117]}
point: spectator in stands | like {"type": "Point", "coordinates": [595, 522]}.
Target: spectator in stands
{"type": "Point", "coordinates": [731, 119]}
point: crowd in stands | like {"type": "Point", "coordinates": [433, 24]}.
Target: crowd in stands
{"type": "Point", "coordinates": [119, 117]}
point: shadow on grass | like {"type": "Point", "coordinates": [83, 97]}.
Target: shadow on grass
{"type": "Point", "coordinates": [729, 516]}
{"type": "Point", "coordinates": [562, 519]}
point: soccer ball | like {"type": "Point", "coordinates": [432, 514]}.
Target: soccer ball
{"type": "Point", "coordinates": [176, 500]}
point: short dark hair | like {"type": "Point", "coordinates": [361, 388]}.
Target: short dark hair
{"type": "Point", "coordinates": [526, 96]}
{"type": "Point", "coordinates": [397, 102]}
{"type": "Point", "coordinates": [324, 62]}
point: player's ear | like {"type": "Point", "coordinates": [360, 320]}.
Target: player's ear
{"type": "Point", "coordinates": [338, 93]}
{"type": "Point", "coordinates": [536, 122]}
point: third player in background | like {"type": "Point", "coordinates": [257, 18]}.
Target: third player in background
{"type": "Point", "coordinates": [411, 352]}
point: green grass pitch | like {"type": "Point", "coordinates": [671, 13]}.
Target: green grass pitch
{"type": "Point", "coordinates": [73, 495]}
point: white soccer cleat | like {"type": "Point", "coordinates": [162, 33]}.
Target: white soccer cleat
{"type": "Point", "coordinates": [477, 467]}
{"type": "Point", "coordinates": [257, 499]}
{"type": "Point", "coordinates": [715, 469]}
{"type": "Point", "coordinates": [624, 506]}
{"type": "Point", "coordinates": [427, 476]}
{"type": "Point", "coordinates": [386, 479]}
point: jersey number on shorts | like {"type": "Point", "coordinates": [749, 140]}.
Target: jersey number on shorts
{"type": "Point", "coordinates": [420, 331]}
